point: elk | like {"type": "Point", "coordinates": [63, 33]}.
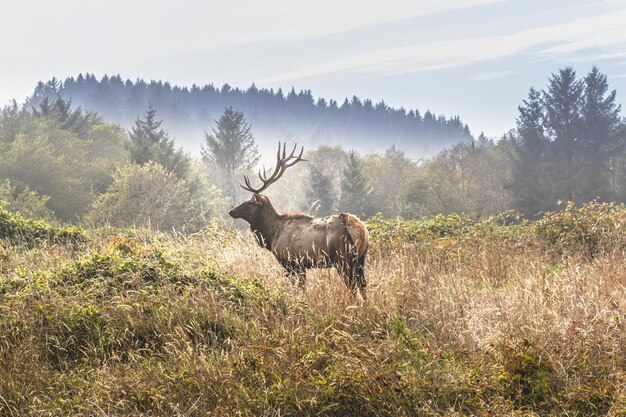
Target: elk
{"type": "Point", "coordinates": [300, 241]}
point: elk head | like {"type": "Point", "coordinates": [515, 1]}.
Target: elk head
{"type": "Point", "coordinates": [253, 208]}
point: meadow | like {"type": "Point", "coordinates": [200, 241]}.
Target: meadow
{"type": "Point", "coordinates": [501, 316]}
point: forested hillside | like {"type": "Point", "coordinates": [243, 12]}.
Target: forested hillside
{"type": "Point", "coordinates": [275, 115]}
{"type": "Point", "coordinates": [60, 161]}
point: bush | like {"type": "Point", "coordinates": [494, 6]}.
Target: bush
{"type": "Point", "coordinates": [28, 203]}
{"type": "Point", "coordinates": [17, 229]}
{"type": "Point", "coordinates": [151, 197]}
{"type": "Point", "coordinates": [584, 229]}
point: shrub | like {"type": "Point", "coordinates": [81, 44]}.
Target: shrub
{"type": "Point", "coordinates": [151, 197]}
{"type": "Point", "coordinates": [17, 229]}
{"type": "Point", "coordinates": [583, 229]}
{"type": "Point", "coordinates": [28, 203]}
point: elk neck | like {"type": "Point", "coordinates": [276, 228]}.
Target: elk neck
{"type": "Point", "coordinates": [266, 224]}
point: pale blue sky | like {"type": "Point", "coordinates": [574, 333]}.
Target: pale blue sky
{"type": "Point", "coordinates": [474, 58]}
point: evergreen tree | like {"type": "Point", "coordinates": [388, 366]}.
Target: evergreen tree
{"type": "Point", "coordinates": [321, 191]}
{"type": "Point", "coordinates": [567, 144]}
{"type": "Point", "coordinates": [529, 183]}
{"type": "Point", "coordinates": [355, 190]}
{"type": "Point", "coordinates": [599, 138]}
{"type": "Point", "coordinates": [563, 121]}
{"type": "Point", "coordinates": [563, 101]}
{"type": "Point", "coordinates": [61, 112]}
{"type": "Point", "coordinates": [149, 142]}
{"type": "Point", "coordinates": [231, 147]}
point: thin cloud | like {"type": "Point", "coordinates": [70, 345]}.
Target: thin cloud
{"type": "Point", "coordinates": [191, 24]}
{"type": "Point", "coordinates": [606, 30]}
{"type": "Point", "coordinates": [494, 75]}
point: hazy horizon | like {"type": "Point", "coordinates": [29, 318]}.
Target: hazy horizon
{"type": "Point", "coordinates": [475, 59]}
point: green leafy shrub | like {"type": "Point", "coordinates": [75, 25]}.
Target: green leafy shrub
{"type": "Point", "coordinates": [28, 203]}
{"type": "Point", "coordinates": [390, 230]}
{"type": "Point", "coordinates": [149, 196]}
{"type": "Point", "coordinates": [17, 229]}
{"type": "Point", "coordinates": [126, 264]}
{"type": "Point", "coordinates": [584, 229]}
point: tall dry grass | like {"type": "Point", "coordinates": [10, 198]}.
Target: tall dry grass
{"type": "Point", "coordinates": [480, 319]}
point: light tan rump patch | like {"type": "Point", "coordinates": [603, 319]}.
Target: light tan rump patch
{"type": "Point", "coordinates": [358, 233]}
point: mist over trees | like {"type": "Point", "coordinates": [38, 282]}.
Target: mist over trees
{"type": "Point", "coordinates": [229, 149]}
{"type": "Point", "coordinates": [569, 143]}
{"type": "Point", "coordinates": [62, 163]}
{"type": "Point", "coordinates": [70, 163]}
{"type": "Point", "coordinates": [354, 123]}
{"type": "Point", "coordinates": [148, 142]}
{"type": "Point", "coordinates": [355, 189]}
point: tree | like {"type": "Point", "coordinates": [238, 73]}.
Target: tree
{"type": "Point", "coordinates": [599, 137]}
{"type": "Point", "coordinates": [389, 174]}
{"type": "Point", "coordinates": [463, 179]}
{"type": "Point", "coordinates": [61, 112]}
{"type": "Point", "coordinates": [355, 190]}
{"type": "Point", "coordinates": [563, 102]}
{"type": "Point", "coordinates": [563, 122]}
{"type": "Point", "coordinates": [231, 147]}
{"type": "Point", "coordinates": [320, 191]}
{"type": "Point", "coordinates": [149, 142]}
{"type": "Point", "coordinates": [567, 144]}
{"type": "Point", "coordinates": [530, 181]}
{"type": "Point", "coordinates": [57, 163]}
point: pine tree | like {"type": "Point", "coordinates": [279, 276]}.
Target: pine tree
{"type": "Point", "coordinates": [355, 190]}
{"type": "Point", "coordinates": [567, 143]}
{"type": "Point", "coordinates": [563, 122]}
{"type": "Point", "coordinates": [599, 139]}
{"type": "Point", "coordinates": [321, 191]}
{"type": "Point", "coordinates": [562, 103]}
{"type": "Point", "coordinates": [231, 147]}
{"type": "Point", "coordinates": [60, 111]}
{"type": "Point", "coordinates": [529, 183]}
{"type": "Point", "coordinates": [149, 142]}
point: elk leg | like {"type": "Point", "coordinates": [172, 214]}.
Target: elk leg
{"type": "Point", "coordinates": [346, 272]}
{"type": "Point", "coordinates": [359, 274]}
{"type": "Point", "coordinates": [353, 273]}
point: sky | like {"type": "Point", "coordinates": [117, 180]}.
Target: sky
{"type": "Point", "coordinates": [472, 58]}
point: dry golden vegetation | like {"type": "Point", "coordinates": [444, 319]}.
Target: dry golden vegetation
{"type": "Point", "coordinates": [497, 317]}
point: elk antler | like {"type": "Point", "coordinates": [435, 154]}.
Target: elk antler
{"type": "Point", "coordinates": [282, 163]}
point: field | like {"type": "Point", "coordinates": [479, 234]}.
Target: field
{"type": "Point", "coordinates": [496, 317]}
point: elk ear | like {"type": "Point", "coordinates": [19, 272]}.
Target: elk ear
{"type": "Point", "coordinates": [256, 198]}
